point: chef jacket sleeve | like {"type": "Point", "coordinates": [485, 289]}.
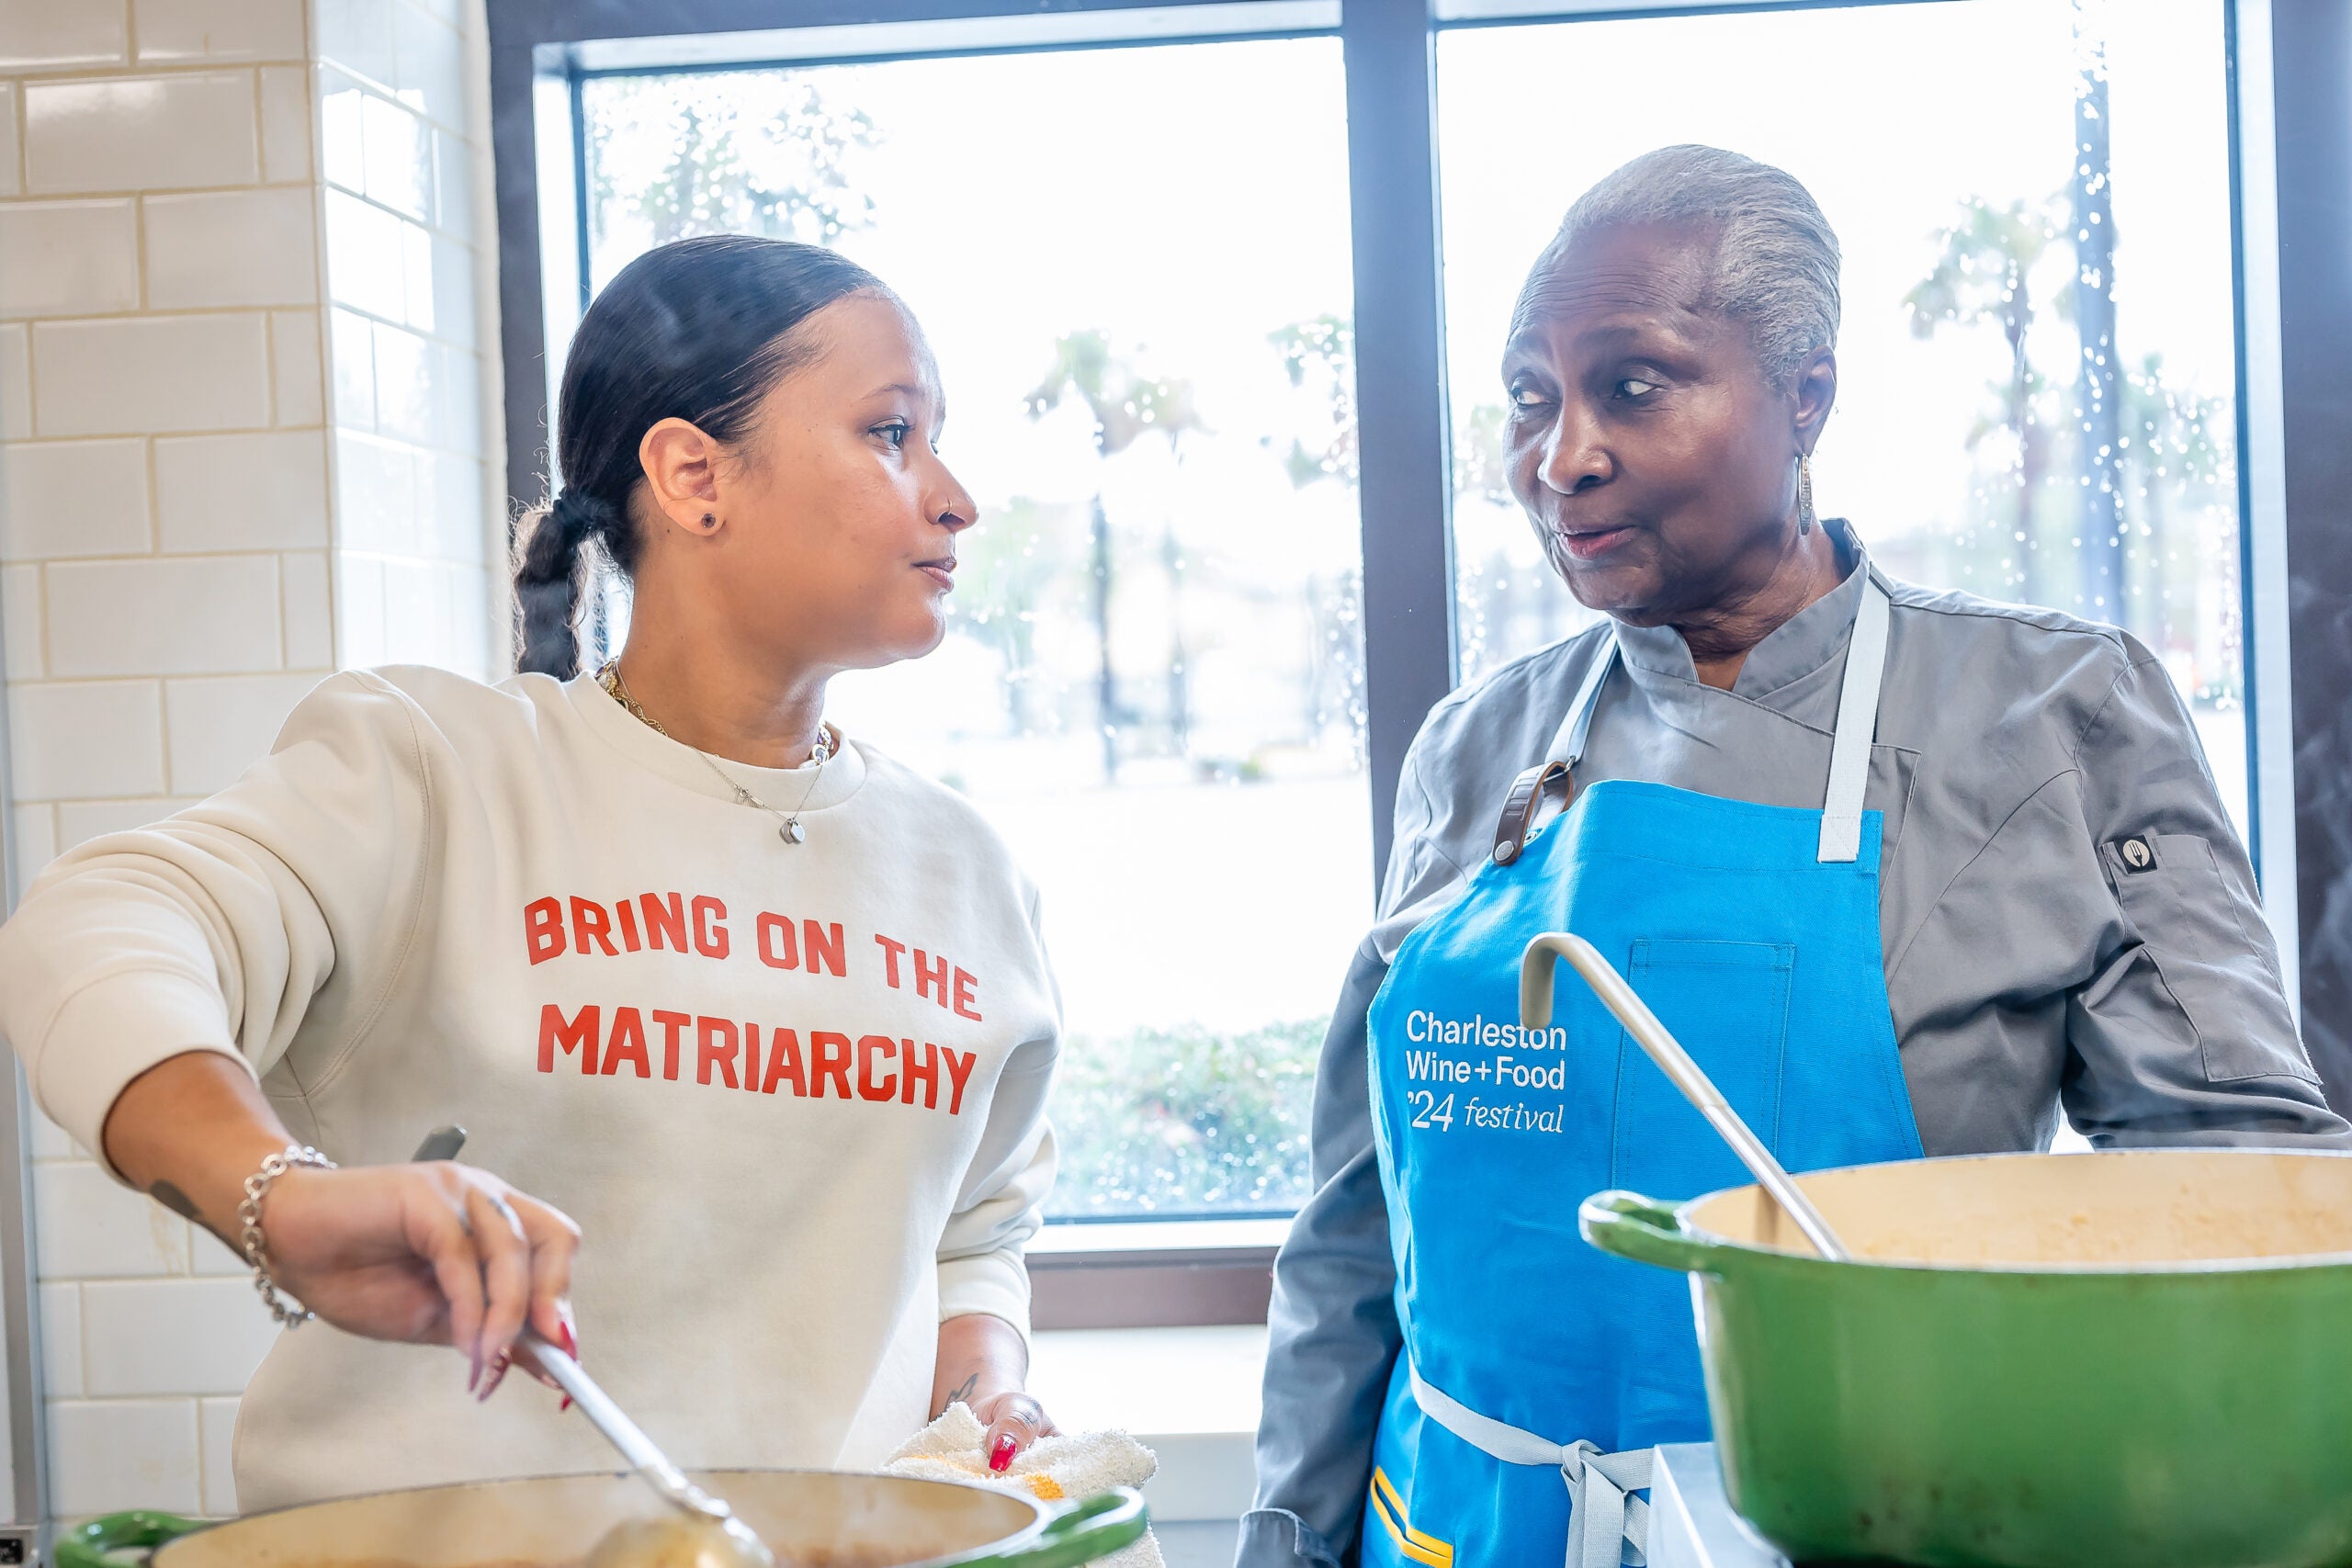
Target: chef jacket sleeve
{"type": "Point", "coordinates": [981, 1264]}
{"type": "Point", "coordinates": [2183, 1035]}
{"type": "Point", "coordinates": [1332, 1326]}
{"type": "Point", "coordinates": [1332, 1335]}
{"type": "Point", "coordinates": [217, 928]}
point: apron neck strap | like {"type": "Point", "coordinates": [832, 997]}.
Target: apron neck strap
{"type": "Point", "coordinates": [1849, 752]}
{"type": "Point", "coordinates": [1568, 743]}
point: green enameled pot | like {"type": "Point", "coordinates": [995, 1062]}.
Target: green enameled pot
{"type": "Point", "coordinates": [810, 1519]}
{"type": "Point", "coordinates": [2139, 1357]}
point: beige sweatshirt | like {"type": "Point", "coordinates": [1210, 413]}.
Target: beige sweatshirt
{"type": "Point", "coordinates": [792, 1094]}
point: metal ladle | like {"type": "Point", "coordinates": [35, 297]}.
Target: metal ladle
{"type": "Point", "coordinates": [737, 1546]}
{"type": "Point", "coordinates": [1535, 969]}
{"type": "Point", "coordinates": [715, 1537]}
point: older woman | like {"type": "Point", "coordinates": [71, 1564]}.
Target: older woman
{"type": "Point", "coordinates": [1907, 872]}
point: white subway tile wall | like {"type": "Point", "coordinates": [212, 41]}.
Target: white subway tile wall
{"type": "Point", "coordinates": [182, 615]}
{"type": "Point", "coordinates": [147, 375]}
{"type": "Point", "coordinates": [68, 258]}
{"type": "Point", "coordinates": [62, 498]}
{"type": "Point", "coordinates": [142, 1338]}
{"type": "Point", "coordinates": [188, 32]}
{"type": "Point", "coordinates": [258, 490]}
{"type": "Point", "coordinates": [85, 740]}
{"type": "Point", "coordinates": [244, 440]}
{"type": "Point", "coordinates": [216, 1431]}
{"type": "Point", "coordinates": [93, 1227]}
{"type": "Point", "coordinates": [101, 1450]}
{"type": "Point", "coordinates": [41, 35]}
{"type": "Point", "coordinates": [215, 728]}
{"type": "Point", "coordinates": [16, 382]}
{"type": "Point", "coordinates": [297, 376]}
{"type": "Point", "coordinates": [79, 821]}
{"type": "Point", "coordinates": [231, 247]}
{"type": "Point", "coordinates": [20, 615]}
{"type": "Point", "coordinates": [12, 158]}
{"type": "Point", "coordinates": [400, 137]}
{"type": "Point", "coordinates": [174, 132]}
{"type": "Point", "coordinates": [60, 1338]}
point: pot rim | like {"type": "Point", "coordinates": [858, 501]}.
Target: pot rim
{"type": "Point", "coordinates": [1024, 1535]}
{"type": "Point", "coordinates": [2282, 1263]}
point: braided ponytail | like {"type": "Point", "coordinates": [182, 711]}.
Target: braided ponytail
{"type": "Point", "coordinates": [696, 330]}
{"type": "Point", "coordinates": [550, 568]}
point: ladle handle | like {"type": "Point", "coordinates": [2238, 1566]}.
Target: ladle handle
{"type": "Point", "coordinates": [609, 1418]}
{"type": "Point", "coordinates": [627, 1435]}
{"type": "Point", "coordinates": [1535, 1013]}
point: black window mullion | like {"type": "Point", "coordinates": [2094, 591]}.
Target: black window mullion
{"type": "Point", "coordinates": [521, 311]}
{"type": "Point", "coordinates": [1406, 451]}
{"type": "Point", "coordinates": [2311, 88]}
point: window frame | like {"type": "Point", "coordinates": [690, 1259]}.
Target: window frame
{"type": "Point", "coordinates": [1214, 1271]}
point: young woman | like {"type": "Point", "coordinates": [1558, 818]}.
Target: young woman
{"type": "Point", "coordinates": [761, 1011]}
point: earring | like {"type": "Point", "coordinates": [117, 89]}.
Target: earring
{"type": "Point", "coordinates": [709, 520]}
{"type": "Point", "coordinates": [1804, 495]}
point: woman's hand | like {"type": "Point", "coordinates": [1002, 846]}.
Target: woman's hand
{"type": "Point", "coordinates": [1014, 1421]}
{"type": "Point", "coordinates": [982, 1364]}
{"type": "Point", "coordinates": [437, 1253]}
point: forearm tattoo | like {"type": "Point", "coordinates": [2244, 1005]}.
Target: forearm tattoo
{"type": "Point", "coordinates": [178, 1202]}
{"type": "Point", "coordinates": [962, 1394]}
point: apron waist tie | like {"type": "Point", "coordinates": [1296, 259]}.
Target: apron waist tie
{"type": "Point", "coordinates": [1606, 1527]}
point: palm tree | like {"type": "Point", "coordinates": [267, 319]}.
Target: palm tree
{"type": "Point", "coordinates": [1981, 277]}
{"type": "Point", "coordinates": [761, 153]}
{"type": "Point", "coordinates": [1009, 568]}
{"type": "Point", "coordinates": [1323, 350]}
{"type": "Point", "coordinates": [2099, 417]}
{"type": "Point", "coordinates": [1127, 405]}
{"type": "Point", "coordinates": [2174, 452]}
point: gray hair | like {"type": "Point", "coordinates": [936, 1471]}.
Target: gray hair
{"type": "Point", "coordinates": [1775, 260]}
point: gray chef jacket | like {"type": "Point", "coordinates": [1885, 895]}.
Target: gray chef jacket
{"type": "Point", "coordinates": [2029, 967]}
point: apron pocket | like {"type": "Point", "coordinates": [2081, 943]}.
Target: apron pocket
{"type": "Point", "coordinates": [1727, 1002]}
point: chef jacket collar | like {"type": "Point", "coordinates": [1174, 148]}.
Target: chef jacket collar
{"type": "Point", "coordinates": [1658, 657]}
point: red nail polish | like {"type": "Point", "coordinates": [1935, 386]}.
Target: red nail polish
{"type": "Point", "coordinates": [570, 1340]}
{"type": "Point", "coordinates": [1001, 1456]}
{"type": "Point", "coordinates": [565, 1406]}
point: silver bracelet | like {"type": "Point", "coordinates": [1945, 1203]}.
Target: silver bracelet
{"type": "Point", "coordinates": [281, 1307]}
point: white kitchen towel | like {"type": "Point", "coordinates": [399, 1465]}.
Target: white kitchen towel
{"type": "Point", "coordinates": [1066, 1467]}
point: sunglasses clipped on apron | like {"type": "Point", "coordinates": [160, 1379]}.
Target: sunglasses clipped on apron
{"type": "Point", "coordinates": [1537, 1373]}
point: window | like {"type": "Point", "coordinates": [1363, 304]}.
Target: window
{"type": "Point", "coordinates": [2038, 357]}
{"type": "Point", "coordinates": [1153, 683]}
{"type": "Point", "coordinates": [1194, 628]}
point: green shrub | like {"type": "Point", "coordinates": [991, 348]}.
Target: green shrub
{"type": "Point", "coordinates": [1185, 1119]}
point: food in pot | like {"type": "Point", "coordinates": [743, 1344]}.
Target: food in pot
{"type": "Point", "coordinates": [673, 1540]}
{"type": "Point", "coordinates": [816, 1558]}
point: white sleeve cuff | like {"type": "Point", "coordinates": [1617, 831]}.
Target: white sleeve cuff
{"type": "Point", "coordinates": [110, 1032]}
{"type": "Point", "coordinates": [994, 1283]}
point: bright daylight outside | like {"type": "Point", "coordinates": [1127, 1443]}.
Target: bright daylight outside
{"type": "Point", "coordinates": [2037, 363]}
{"type": "Point", "coordinates": [1153, 681]}
{"type": "Point", "coordinates": [1154, 678]}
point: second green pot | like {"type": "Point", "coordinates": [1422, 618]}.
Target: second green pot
{"type": "Point", "coordinates": [2034, 1361]}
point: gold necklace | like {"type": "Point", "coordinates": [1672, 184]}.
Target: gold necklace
{"type": "Point", "coordinates": [791, 832]}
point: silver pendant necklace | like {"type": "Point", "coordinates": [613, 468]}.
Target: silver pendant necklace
{"type": "Point", "coordinates": [789, 828]}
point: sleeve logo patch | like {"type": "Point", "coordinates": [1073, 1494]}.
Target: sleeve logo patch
{"type": "Point", "coordinates": [2137, 853]}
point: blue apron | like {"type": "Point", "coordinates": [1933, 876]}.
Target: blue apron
{"type": "Point", "coordinates": [1529, 1358]}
